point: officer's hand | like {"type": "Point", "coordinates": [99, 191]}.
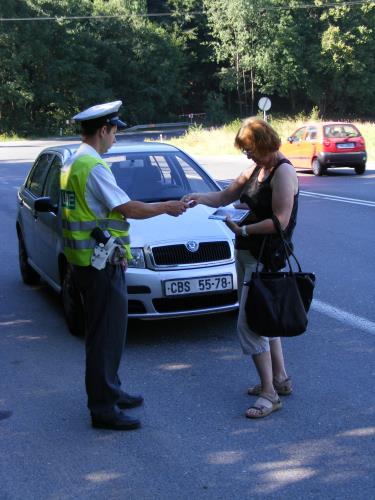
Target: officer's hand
{"type": "Point", "coordinates": [175, 208]}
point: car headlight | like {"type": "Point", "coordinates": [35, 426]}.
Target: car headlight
{"type": "Point", "coordinates": [138, 259]}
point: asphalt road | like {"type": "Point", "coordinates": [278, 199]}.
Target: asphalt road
{"type": "Point", "coordinates": [195, 441]}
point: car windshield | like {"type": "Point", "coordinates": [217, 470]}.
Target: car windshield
{"type": "Point", "coordinates": [157, 176]}
{"type": "Point", "coordinates": [340, 131]}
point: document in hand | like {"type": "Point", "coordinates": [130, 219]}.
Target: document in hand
{"type": "Point", "coordinates": [237, 215]}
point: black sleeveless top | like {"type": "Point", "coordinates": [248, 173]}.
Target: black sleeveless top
{"type": "Point", "coordinates": [258, 196]}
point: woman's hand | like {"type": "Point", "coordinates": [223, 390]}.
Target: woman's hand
{"type": "Point", "coordinates": [191, 199]}
{"type": "Point", "coordinates": [233, 226]}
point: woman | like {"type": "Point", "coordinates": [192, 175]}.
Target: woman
{"type": "Point", "coordinates": [269, 187]}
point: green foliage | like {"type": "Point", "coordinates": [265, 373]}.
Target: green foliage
{"type": "Point", "coordinates": [216, 57]}
{"type": "Point", "coordinates": [191, 30]}
{"type": "Point", "coordinates": [258, 47]}
{"type": "Point", "coordinates": [56, 68]}
{"type": "Point", "coordinates": [314, 115]}
{"type": "Point", "coordinates": [215, 109]}
{"type": "Point", "coordinates": [348, 47]}
{"type": "Point", "coordinates": [233, 126]}
{"type": "Point", "coordinates": [317, 57]}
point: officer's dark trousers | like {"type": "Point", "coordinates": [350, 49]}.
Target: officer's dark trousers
{"type": "Point", "coordinates": [106, 310]}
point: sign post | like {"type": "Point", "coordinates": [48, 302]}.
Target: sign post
{"type": "Point", "coordinates": [264, 105]}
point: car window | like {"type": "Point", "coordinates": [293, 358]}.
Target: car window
{"type": "Point", "coordinates": [196, 181]}
{"type": "Point", "coordinates": [38, 174]}
{"type": "Point", "coordinates": [311, 134]}
{"type": "Point", "coordinates": [158, 176]}
{"type": "Point", "coordinates": [52, 184]}
{"type": "Point", "coordinates": [160, 164]}
{"type": "Point", "coordinates": [340, 131]}
{"type": "Point", "coordinates": [299, 134]}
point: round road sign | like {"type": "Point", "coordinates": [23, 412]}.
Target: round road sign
{"type": "Point", "coordinates": [264, 103]}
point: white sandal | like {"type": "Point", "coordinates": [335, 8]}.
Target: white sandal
{"type": "Point", "coordinates": [261, 406]}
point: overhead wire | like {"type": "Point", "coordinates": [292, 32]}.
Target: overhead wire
{"type": "Point", "coordinates": [193, 13]}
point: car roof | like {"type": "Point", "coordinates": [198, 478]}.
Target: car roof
{"type": "Point", "coordinates": [124, 147]}
{"type": "Point", "coordinates": [323, 124]}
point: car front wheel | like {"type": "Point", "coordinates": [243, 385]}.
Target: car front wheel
{"type": "Point", "coordinates": [28, 274]}
{"type": "Point", "coordinates": [72, 304]}
{"type": "Point", "coordinates": [360, 169]}
{"type": "Point", "coordinates": [317, 167]}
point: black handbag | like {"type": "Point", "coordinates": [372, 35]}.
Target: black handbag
{"type": "Point", "coordinates": [278, 302]}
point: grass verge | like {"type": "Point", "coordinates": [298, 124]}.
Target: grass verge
{"type": "Point", "coordinates": [6, 137]}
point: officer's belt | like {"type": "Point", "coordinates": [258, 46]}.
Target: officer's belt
{"type": "Point", "coordinates": [89, 244]}
{"type": "Point", "coordinates": [115, 224]}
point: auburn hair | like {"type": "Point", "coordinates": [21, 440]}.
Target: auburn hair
{"type": "Point", "coordinates": [257, 136]}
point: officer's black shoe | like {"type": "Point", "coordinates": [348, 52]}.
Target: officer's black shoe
{"type": "Point", "coordinates": [127, 401]}
{"type": "Point", "coordinates": [118, 422]}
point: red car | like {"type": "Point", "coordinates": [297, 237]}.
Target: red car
{"type": "Point", "coordinates": [320, 145]}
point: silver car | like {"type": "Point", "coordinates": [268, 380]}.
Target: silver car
{"type": "Point", "coordinates": [181, 266]}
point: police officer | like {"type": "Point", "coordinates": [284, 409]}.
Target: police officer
{"type": "Point", "coordinates": [91, 198]}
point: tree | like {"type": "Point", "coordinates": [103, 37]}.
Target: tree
{"type": "Point", "coordinates": [61, 66]}
{"type": "Point", "coordinates": [347, 59]}
{"type": "Point", "coordinates": [258, 47]}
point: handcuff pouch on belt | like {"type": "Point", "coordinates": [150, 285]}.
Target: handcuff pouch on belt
{"type": "Point", "coordinates": [106, 250]}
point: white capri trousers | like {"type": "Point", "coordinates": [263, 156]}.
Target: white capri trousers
{"type": "Point", "coordinates": [251, 343]}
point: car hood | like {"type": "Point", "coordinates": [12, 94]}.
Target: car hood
{"type": "Point", "coordinates": [164, 229]}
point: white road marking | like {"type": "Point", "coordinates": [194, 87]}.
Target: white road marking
{"type": "Point", "coordinates": [343, 316]}
{"type": "Point", "coordinates": [332, 197]}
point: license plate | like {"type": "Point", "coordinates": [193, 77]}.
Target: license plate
{"type": "Point", "coordinates": [345, 145]}
{"type": "Point", "coordinates": [198, 285]}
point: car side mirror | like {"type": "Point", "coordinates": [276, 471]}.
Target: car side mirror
{"type": "Point", "coordinates": [45, 204]}
{"type": "Point", "coordinates": [290, 139]}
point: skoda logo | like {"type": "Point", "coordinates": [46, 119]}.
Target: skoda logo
{"type": "Point", "coordinates": [192, 246]}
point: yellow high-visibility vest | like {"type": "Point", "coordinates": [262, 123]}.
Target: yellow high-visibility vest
{"type": "Point", "coordinates": [78, 220]}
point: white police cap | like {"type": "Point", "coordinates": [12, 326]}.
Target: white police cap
{"type": "Point", "coordinates": [108, 111]}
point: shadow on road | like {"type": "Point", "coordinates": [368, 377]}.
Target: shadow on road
{"type": "Point", "coordinates": [182, 330]}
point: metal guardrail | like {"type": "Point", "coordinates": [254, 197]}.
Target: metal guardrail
{"type": "Point", "coordinates": [151, 126]}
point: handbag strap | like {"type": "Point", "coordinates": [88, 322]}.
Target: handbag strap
{"type": "Point", "coordinates": [287, 249]}
{"type": "Point", "coordinates": [260, 253]}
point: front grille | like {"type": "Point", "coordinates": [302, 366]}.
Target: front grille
{"type": "Point", "coordinates": [178, 254]}
{"type": "Point", "coordinates": [195, 302]}
{"type": "Point", "coordinates": [136, 307]}
{"type": "Point", "coordinates": [139, 289]}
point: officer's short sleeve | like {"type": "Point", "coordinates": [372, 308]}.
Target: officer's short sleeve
{"type": "Point", "coordinates": [103, 187]}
